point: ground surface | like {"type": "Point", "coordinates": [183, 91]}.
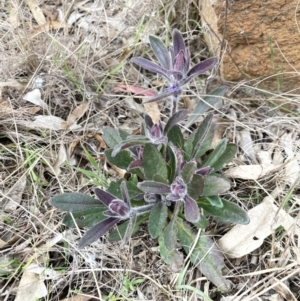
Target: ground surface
{"type": "Point", "coordinates": [63, 64]}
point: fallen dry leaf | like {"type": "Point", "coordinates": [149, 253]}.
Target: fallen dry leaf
{"type": "Point", "coordinates": [77, 298]}
{"type": "Point", "coordinates": [50, 25]}
{"type": "Point", "coordinates": [48, 122]}
{"type": "Point", "coordinates": [76, 114]}
{"type": "Point", "coordinates": [133, 89]}
{"type": "Point", "coordinates": [252, 172]}
{"type": "Point", "coordinates": [282, 289]}
{"type": "Point", "coordinates": [153, 111]}
{"type": "Point", "coordinates": [246, 143]}
{"type": "Point", "coordinates": [61, 158]}
{"type": "Point", "coordinates": [264, 219]}
{"type": "Point", "coordinates": [14, 14]}
{"type": "Point", "coordinates": [36, 11]}
{"type": "Point", "coordinates": [5, 107]}
{"type": "Point", "coordinates": [31, 287]}
{"type": "Point", "coordinates": [15, 195]}
{"type": "Point", "coordinates": [34, 97]}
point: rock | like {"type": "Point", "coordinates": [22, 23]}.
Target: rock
{"type": "Point", "coordinates": [262, 40]}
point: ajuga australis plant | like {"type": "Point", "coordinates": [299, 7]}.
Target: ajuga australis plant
{"type": "Point", "coordinates": [173, 180]}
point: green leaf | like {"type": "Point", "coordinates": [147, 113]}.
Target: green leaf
{"type": "Point", "coordinates": [172, 164]}
{"type": "Point", "coordinates": [74, 202]}
{"type": "Point", "coordinates": [195, 187]}
{"type": "Point", "coordinates": [160, 179]}
{"type": "Point", "coordinates": [174, 119]}
{"type": "Point", "coordinates": [215, 184]}
{"type": "Point", "coordinates": [129, 142]}
{"type": "Point", "coordinates": [85, 218]}
{"type": "Point", "coordinates": [133, 191]}
{"type": "Point", "coordinates": [175, 136]}
{"type": "Point", "coordinates": [205, 141]}
{"type": "Point", "coordinates": [157, 219]}
{"type": "Point", "coordinates": [165, 254]}
{"type": "Point", "coordinates": [205, 254]}
{"type": "Point", "coordinates": [153, 162]}
{"type": "Point", "coordinates": [160, 51]}
{"type": "Point", "coordinates": [114, 188]}
{"type": "Point", "coordinates": [170, 235]}
{"type": "Point", "coordinates": [202, 224]}
{"type": "Point", "coordinates": [226, 157]}
{"type": "Point", "coordinates": [111, 136]}
{"type": "Point", "coordinates": [121, 159]}
{"type": "Point", "coordinates": [188, 171]}
{"type": "Point", "coordinates": [206, 103]}
{"type": "Point", "coordinates": [215, 200]}
{"type": "Point", "coordinates": [123, 134]}
{"type": "Point", "coordinates": [174, 258]}
{"type": "Point", "coordinates": [229, 213]}
{"type": "Point", "coordinates": [189, 147]}
{"type": "Point", "coordinates": [120, 230]}
{"type": "Point", "coordinates": [194, 290]}
{"type": "Point", "coordinates": [216, 154]}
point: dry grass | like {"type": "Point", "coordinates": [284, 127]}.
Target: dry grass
{"type": "Point", "coordinates": [76, 61]}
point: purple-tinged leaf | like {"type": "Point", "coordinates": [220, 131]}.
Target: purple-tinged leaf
{"type": "Point", "coordinates": [130, 141]}
{"type": "Point", "coordinates": [120, 208]}
{"type": "Point", "coordinates": [201, 68]}
{"type": "Point", "coordinates": [175, 74]}
{"type": "Point", "coordinates": [97, 231]}
{"type": "Point", "coordinates": [204, 171]}
{"type": "Point", "coordinates": [146, 64]}
{"type": "Point", "coordinates": [135, 164]}
{"type": "Point", "coordinates": [74, 202]}
{"type": "Point", "coordinates": [174, 119]}
{"type": "Point", "coordinates": [160, 51]}
{"type": "Point", "coordinates": [109, 213]}
{"type": "Point", "coordinates": [157, 219]}
{"type": "Point", "coordinates": [148, 121]}
{"type": "Point", "coordinates": [178, 190]}
{"type": "Point", "coordinates": [178, 42]}
{"type": "Point", "coordinates": [153, 187]}
{"type": "Point", "coordinates": [191, 210]}
{"type": "Point", "coordinates": [124, 192]}
{"type": "Point", "coordinates": [103, 196]}
{"type": "Point", "coordinates": [179, 63]}
{"type": "Point", "coordinates": [159, 96]}
{"type": "Point", "coordinates": [156, 135]}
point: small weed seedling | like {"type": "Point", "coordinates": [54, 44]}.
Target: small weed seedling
{"type": "Point", "coordinates": [174, 180]}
